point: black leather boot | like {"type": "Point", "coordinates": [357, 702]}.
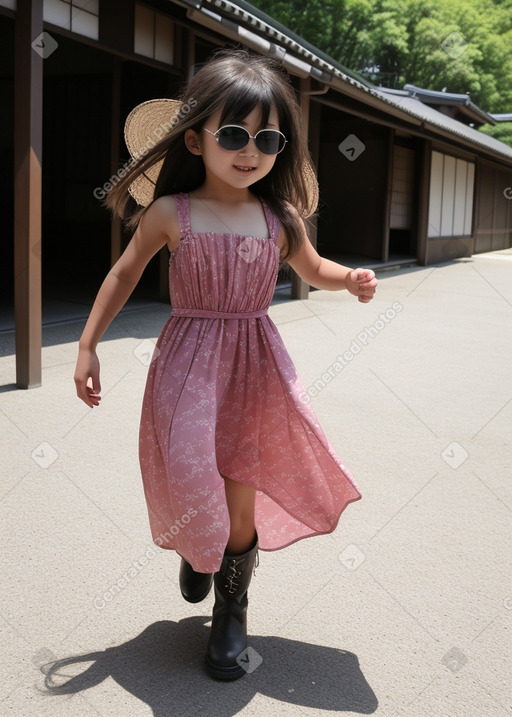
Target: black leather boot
{"type": "Point", "coordinates": [228, 636]}
{"type": "Point", "coordinates": [194, 586]}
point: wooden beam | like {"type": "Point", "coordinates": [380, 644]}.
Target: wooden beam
{"type": "Point", "coordinates": [28, 141]}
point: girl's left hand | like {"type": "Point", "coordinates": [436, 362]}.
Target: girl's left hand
{"type": "Point", "coordinates": [362, 283]}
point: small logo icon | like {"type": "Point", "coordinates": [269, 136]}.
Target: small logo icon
{"type": "Point", "coordinates": [36, 250]}
{"type": "Point", "coordinates": [352, 557]}
{"type": "Point", "coordinates": [507, 192]}
{"type": "Point", "coordinates": [454, 659]}
{"type": "Point", "coordinates": [351, 147]}
{"type": "Point", "coordinates": [249, 659]}
{"type": "Point", "coordinates": [44, 455]}
{"type": "Point", "coordinates": [454, 455]}
{"type": "Point", "coordinates": [454, 45]}
{"type": "Point", "coordinates": [507, 603]}
{"type": "Point", "coordinates": [454, 248]}
{"type": "Point", "coordinates": [249, 249]}
{"type": "Point", "coordinates": [45, 45]}
{"type": "Point", "coordinates": [42, 656]}
{"type": "Point", "coordinates": [249, 454]}
{"type": "Point", "coordinates": [146, 352]}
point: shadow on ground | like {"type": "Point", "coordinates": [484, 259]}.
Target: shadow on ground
{"type": "Point", "coordinates": [163, 667]}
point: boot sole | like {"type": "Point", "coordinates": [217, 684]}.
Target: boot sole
{"type": "Point", "coordinates": [199, 599]}
{"type": "Point", "coordinates": [202, 597]}
{"type": "Point", "coordinates": [220, 672]}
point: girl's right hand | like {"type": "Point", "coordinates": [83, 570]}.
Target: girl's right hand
{"type": "Point", "coordinates": [88, 369]}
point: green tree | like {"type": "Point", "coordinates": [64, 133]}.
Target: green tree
{"type": "Point", "coordinates": [501, 131]}
{"type": "Point", "coordinates": [461, 45]}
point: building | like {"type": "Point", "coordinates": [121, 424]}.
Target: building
{"type": "Point", "coordinates": [403, 177]}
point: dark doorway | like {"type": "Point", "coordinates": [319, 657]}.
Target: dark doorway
{"type": "Point", "coordinates": [76, 161]}
{"type": "Point", "coordinates": [7, 173]}
{"type": "Point", "coordinates": [352, 174]}
{"type": "Point", "coordinates": [404, 201]}
{"type": "Point", "coordinates": [400, 243]}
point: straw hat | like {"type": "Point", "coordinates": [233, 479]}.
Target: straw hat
{"type": "Point", "coordinates": [147, 124]}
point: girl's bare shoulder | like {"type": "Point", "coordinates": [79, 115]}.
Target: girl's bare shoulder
{"type": "Point", "coordinates": [164, 212]}
{"type": "Point", "coordinates": [282, 241]}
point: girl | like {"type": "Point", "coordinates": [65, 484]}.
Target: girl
{"type": "Point", "coordinates": [232, 455]}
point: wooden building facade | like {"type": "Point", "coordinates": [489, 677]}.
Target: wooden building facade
{"type": "Point", "coordinates": [400, 180]}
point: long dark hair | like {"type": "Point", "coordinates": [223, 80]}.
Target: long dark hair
{"type": "Point", "coordinates": [238, 81]}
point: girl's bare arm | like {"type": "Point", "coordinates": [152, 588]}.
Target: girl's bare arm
{"type": "Point", "coordinates": [326, 274]}
{"type": "Point", "coordinates": [158, 226]}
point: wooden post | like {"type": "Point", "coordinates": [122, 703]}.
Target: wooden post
{"type": "Point", "coordinates": [384, 251]}
{"type": "Point", "coordinates": [423, 204]}
{"type": "Point", "coordinates": [189, 53]}
{"type": "Point", "coordinates": [28, 143]}
{"type": "Point", "coordinates": [314, 148]}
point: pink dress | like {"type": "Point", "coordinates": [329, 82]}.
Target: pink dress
{"type": "Point", "coordinates": [223, 398]}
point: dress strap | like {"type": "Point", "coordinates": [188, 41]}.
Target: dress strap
{"type": "Point", "coordinates": [183, 206]}
{"type": "Point", "coordinates": [272, 221]}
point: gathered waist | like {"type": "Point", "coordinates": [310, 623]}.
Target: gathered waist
{"type": "Point", "coordinates": [206, 314]}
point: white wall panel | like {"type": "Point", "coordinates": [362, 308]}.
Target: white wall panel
{"type": "Point", "coordinates": [459, 208]}
{"type": "Point", "coordinates": [143, 43]}
{"type": "Point", "coordinates": [448, 196]}
{"type": "Point", "coordinates": [164, 39]}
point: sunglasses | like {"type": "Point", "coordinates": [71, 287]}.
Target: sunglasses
{"type": "Point", "coordinates": [232, 137]}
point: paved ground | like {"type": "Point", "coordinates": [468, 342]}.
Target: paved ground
{"type": "Point", "coordinates": [405, 610]}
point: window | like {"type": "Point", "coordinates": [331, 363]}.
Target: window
{"type": "Point", "coordinates": [154, 35]}
{"type": "Point", "coordinates": [451, 196]}
{"type": "Point", "coordinates": [80, 16]}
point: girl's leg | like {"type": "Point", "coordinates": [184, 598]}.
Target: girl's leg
{"type": "Point", "coordinates": [228, 634]}
{"type": "Point", "coordinates": [240, 499]}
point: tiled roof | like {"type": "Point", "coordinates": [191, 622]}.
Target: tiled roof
{"type": "Point", "coordinates": [248, 25]}
{"type": "Point", "coordinates": [437, 120]}
{"type": "Point", "coordinates": [503, 117]}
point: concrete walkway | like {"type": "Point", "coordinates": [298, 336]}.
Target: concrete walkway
{"type": "Point", "coordinates": [405, 610]}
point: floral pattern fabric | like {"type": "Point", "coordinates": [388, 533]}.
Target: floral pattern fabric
{"type": "Point", "coordinates": [223, 398]}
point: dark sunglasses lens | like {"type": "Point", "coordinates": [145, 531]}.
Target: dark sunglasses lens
{"type": "Point", "coordinates": [270, 141]}
{"type": "Point", "coordinates": [233, 138]}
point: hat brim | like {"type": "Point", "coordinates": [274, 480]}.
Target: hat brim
{"type": "Point", "coordinates": [148, 123]}
{"type": "Point", "coordinates": [145, 126]}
